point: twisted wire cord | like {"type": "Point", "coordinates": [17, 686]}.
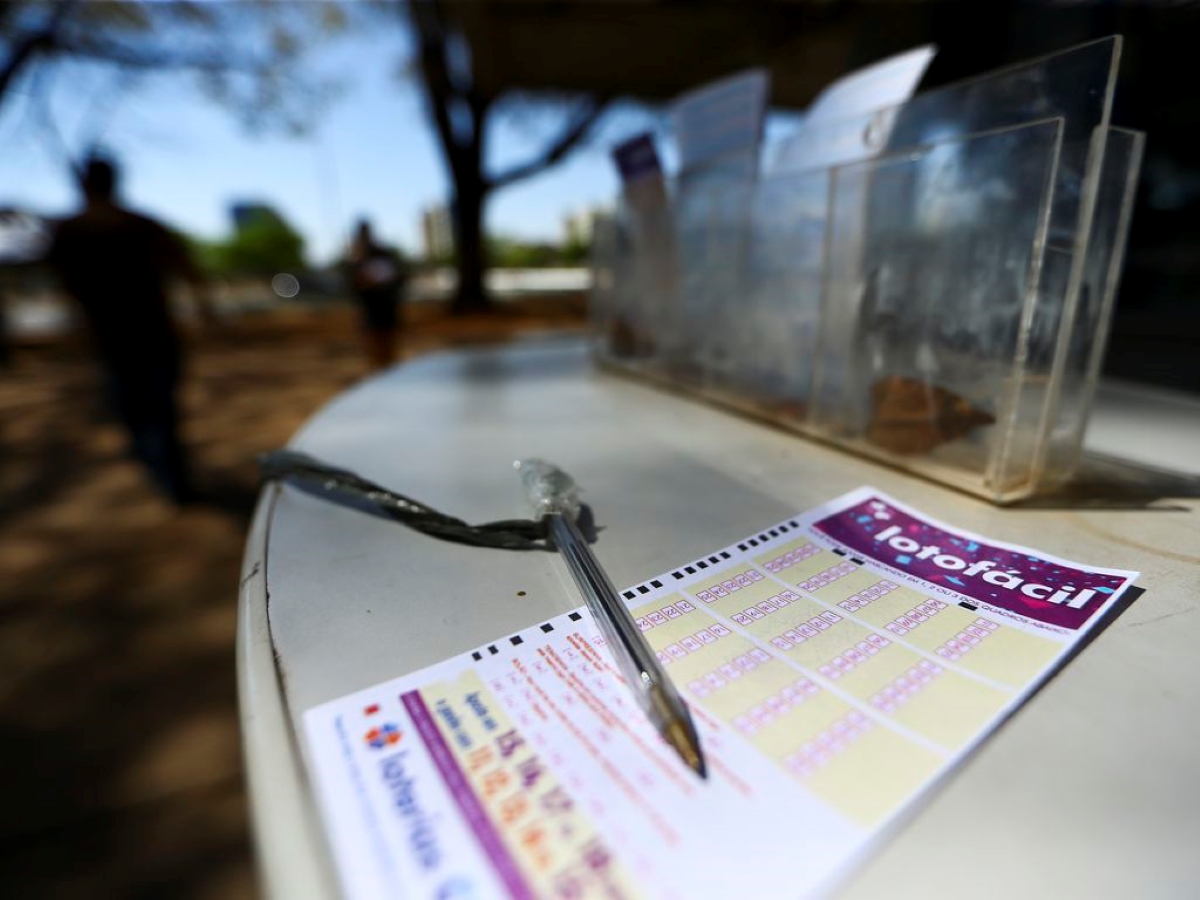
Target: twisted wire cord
{"type": "Point", "coordinates": [347, 488]}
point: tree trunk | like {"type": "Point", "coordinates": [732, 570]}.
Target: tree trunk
{"type": "Point", "coordinates": [462, 142]}
{"type": "Point", "coordinates": [472, 295]}
{"type": "Point", "coordinates": [5, 347]}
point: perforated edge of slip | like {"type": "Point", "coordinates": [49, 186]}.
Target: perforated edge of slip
{"type": "Point", "coordinates": [497, 647]}
{"type": "Point", "coordinates": [769, 535]}
{"type": "Point", "coordinates": [698, 566]}
{"type": "Point", "coordinates": [653, 585]}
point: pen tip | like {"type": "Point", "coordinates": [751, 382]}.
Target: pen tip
{"type": "Point", "coordinates": [686, 743]}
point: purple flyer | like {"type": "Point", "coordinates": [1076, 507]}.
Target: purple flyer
{"type": "Point", "coordinates": [1032, 584]}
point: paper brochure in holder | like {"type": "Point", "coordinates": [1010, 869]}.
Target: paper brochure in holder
{"type": "Point", "coordinates": [929, 285]}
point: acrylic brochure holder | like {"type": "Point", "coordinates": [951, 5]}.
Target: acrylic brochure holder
{"type": "Point", "coordinates": [928, 285]}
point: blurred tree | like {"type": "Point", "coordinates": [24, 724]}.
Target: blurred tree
{"type": "Point", "coordinates": [576, 251]}
{"type": "Point", "coordinates": [461, 113]}
{"type": "Point", "coordinates": [263, 243]}
{"type": "Point", "coordinates": [506, 253]}
{"type": "Point", "coordinates": [245, 54]}
{"type": "Point", "coordinates": [208, 255]}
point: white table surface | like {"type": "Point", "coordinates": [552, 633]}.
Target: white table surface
{"type": "Point", "coordinates": [1091, 790]}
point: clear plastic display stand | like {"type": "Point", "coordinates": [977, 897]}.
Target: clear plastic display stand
{"type": "Point", "coordinates": [929, 285]}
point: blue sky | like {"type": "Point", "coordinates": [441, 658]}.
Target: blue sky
{"type": "Point", "coordinates": [370, 153]}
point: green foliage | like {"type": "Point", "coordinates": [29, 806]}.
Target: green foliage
{"type": "Point", "coordinates": [444, 259]}
{"type": "Point", "coordinates": [262, 244]}
{"type": "Point", "coordinates": [208, 256]}
{"type": "Point", "coordinates": [508, 253]}
{"type": "Point", "coordinates": [576, 252]}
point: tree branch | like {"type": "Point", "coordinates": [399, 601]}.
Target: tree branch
{"type": "Point", "coordinates": [53, 40]}
{"type": "Point", "coordinates": [33, 43]}
{"type": "Point", "coordinates": [572, 135]}
{"type": "Point", "coordinates": [461, 150]}
{"type": "Point", "coordinates": [121, 55]}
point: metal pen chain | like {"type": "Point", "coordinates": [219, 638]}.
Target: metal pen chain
{"type": "Point", "coordinates": [350, 489]}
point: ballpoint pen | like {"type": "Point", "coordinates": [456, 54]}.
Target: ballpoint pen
{"type": "Point", "coordinates": [555, 497]}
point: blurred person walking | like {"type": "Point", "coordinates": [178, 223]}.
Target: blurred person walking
{"type": "Point", "coordinates": [117, 266]}
{"type": "Point", "coordinates": [377, 275]}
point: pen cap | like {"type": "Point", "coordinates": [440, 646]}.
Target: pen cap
{"type": "Point", "coordinates": [549, 490]}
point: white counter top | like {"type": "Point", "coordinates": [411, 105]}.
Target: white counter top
{"type": "Point", "coordinates": [1088, 791]}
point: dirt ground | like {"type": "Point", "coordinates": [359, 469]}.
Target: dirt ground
{"type": "Point", "coordinates": [118, 705]}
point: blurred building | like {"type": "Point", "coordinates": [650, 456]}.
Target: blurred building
{"type": "Point", "coordinates": [31, 302]}
{"type": "Point", "coordinates": [24, 242]}
{"type": "Point", "coordinates": [578, 227]}
{"type": "Point", "coordinates": [437, 232]}
{"type": "Point", "coordinates": [24, 236]}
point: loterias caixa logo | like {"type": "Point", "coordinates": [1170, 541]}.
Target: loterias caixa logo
{"type": "Point", "coordinates": [383, 736]}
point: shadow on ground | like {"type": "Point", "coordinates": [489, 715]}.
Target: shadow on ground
{"type": "Point", "coordinates": [118, 706]}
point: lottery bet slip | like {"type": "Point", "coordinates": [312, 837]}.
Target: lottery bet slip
{"type": "Point", "coordinates": [837, 664]}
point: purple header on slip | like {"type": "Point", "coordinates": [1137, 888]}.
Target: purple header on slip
{"type": "Point", "coordinates": [1016, 580]}
{"type": "Point", "coordinates": [464, 796]}
{"type": "Point", "coordinates": [636, 158]}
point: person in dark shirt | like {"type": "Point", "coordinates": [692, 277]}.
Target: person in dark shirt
{"type": "Point", "coordinates": [377, 275]}
{"type": "Point", "coordinates": [117, 265]}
